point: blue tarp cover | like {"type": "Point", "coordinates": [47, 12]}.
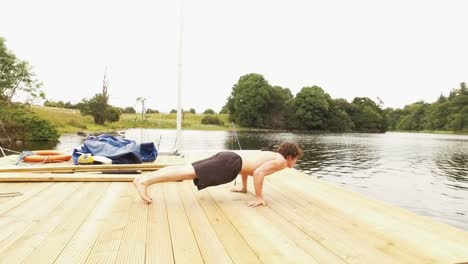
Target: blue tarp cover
{"type": "Point", "coordinates": [119, 150]}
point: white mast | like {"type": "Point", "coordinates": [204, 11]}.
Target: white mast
{"type": "Point", "coordinates": [179, 81]}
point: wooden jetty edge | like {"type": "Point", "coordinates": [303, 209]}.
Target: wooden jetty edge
{"type": "Point", "coordinates": [306, 220]}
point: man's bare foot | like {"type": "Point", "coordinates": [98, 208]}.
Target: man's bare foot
{"type": "Point", "coordinates": [142, 190]}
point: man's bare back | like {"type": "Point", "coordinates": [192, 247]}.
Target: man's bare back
{"type": "Point", "coordinates": [251, 162]}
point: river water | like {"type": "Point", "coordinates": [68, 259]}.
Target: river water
{"type": "Point", "coordinates": [424, 173]}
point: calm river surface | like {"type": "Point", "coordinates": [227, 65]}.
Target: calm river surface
{"type": "Point", "coordinates": [424, 173]}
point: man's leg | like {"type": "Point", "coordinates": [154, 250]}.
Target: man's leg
{"type": "Point", "coordinates": [167, 174]}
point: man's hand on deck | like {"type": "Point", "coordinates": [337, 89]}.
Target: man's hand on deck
{"type": "Point", "coordinates": [257, 202]}
{"type": "Point", "coordinates": [240, 190]}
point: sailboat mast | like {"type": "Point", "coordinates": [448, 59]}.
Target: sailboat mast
{"type": "Point", "coordinates": [179, 80]}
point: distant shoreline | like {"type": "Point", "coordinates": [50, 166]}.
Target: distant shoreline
{"type": "Point", "coordinates": [70, 121]}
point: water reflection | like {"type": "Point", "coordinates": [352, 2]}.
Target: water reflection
{"type": "Point", "coordinates": [250, 140]}
{"type": "Point", "coordinates": [336, 155]}
{"type": "Point", "coordinates": [453, 164]}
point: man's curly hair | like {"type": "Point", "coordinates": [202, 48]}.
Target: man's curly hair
{"type": "Point", "coordinates": [288, 149]}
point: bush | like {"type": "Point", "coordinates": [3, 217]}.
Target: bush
{"type": "Point", "coordinates": [209, 112]}
{"type": "Point", "coordinates": [22, 124]}
{"type": "Point", "coordinates": [212, 120]}
{"type": "Point", "coordinates": [129, 110]}
{"type": "Point", "coordinates": [98, 108]}
{"type": "Point", "coordinates": [112, 114]}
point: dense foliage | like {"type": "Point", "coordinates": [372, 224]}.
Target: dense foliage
{"type": "Point", "coordinates": [99, 109]}
{"type": "Point", "coordinates": [446, 114]}
{"type": "Point", "coordinates": [212, 120]}
{"type": "Point", "coordinates": [152, 111]}
{"type": "Point", "coordinates": [23, 124]}
{"type": "Point", "coordinates": [255, 103]}
{"type": "Point", "coordinates": [209, 111]}
{"type": "Point", "coordinates": [61, 104]}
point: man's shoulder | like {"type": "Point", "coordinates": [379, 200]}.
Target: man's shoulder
{"type": "Point", "coordinates": [267, 153]}
{"type": "Point", "coordinates": [275, 157]}
{"type": "Point", "coordinates": [274, 154]}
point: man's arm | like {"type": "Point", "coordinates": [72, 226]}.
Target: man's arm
{"type": "Point", "coordinates": [259, 174]}
{"type": "Point", "coordinates": [244, 185]}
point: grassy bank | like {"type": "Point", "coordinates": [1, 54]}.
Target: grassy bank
{"type": "Point", "coordinates": [443, 132]}
{"type": "Point", "coordinates": [71, 121]}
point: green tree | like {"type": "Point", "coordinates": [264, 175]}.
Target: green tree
{"type": "Point", "coordinates": [280, 112]}
{"type": "Point", "coordinates": [16, 76]}
{"type": "Point", "coordinates": [436, 117]}
{"type": "Point", "coordinates": [99, 110]}
{"type": "Point", "coordinates": [192, 111]}
{"type": "Point", "coordinates": [458, 108]}
{"type": "Point", "coordinates": [225, 109]}
{"type": "Point", "coordinates": [69, 105]}
{"type": "Point", "coordinates": [152, 111]}
{"type": "Point", "coordinates": [367, 116]}
{"type": "Point", "coordinates": [98, 106]}
{"type": "Point", "coordinates": [337, 119]}
{"type": "Point", "coordinates": [250, 101]}
{"type": "Point", "coordinates": [311, 107]}
{"type": "Point", "coordinates": [413, 117]}
{"type": "Point", "coordinates": [392, 117]}
{"type": "Point", "coordinates": [129, 110]}
{"type": "Point", "coordinates": [209, 112]}
{"type": "Point", "coordinates": [95, 107]}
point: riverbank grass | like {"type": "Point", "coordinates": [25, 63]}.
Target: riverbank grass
{"type": "Point", "coordinates": [71, 121]}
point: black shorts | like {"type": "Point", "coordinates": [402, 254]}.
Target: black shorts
{"type": "Point", "coordinates": [218, 169]}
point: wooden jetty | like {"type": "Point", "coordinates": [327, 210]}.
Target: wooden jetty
{"type": "Point", "coordinates": [101, 219]}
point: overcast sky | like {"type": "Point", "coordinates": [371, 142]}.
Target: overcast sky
{"type": "Point", "coordinates": [399, 51]}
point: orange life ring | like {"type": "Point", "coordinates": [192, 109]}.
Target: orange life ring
{"type": "Point", "coordinates": [47, 156]}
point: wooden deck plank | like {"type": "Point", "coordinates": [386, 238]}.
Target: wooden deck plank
{"type": "Point", "coordinates": [306, 220]}
{"type": "Point", "coordinates": [80, 245]}
{"type": "Point", "coordinates": [314, 248]}
{"type": "Point", "coordinates": [356, 229]}
{"type": "Point", "coordinates": [16, 222]}
{"type": "Point", "coordinates": [184, 244]}
{"type": "Point", "coordinates": [405, 216]}
{"type": "Point", "coordinates": [36, 233]}
{"type": "Point", "coordinates": [66, 177]}
{"type": "Point", "coordinates": [28, 190]}
{"type": "Point", "coordinates": [110, 237]}
{"type": "Point", "coordinates": [133, 246]}
{"type": "Point", "coordinates": [379, 218]}
{"type": "Point", "coordinates": [269, 243]}
{"type": "Point", "coordinates": [57, 239]}
{"type": "Point", "coordinates": [336, 234]}
{"type": "Point", "coordinates": [234, 243]}
{"type": "Point", "coordinates": [158, 237]}
{"type": "Point", "coordinates": [8, 191]}
{"type": "Point", "coordinates": [210, 245]}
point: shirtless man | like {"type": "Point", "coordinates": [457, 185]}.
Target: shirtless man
{"type": "Point", "coordinates": [224, 167]}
